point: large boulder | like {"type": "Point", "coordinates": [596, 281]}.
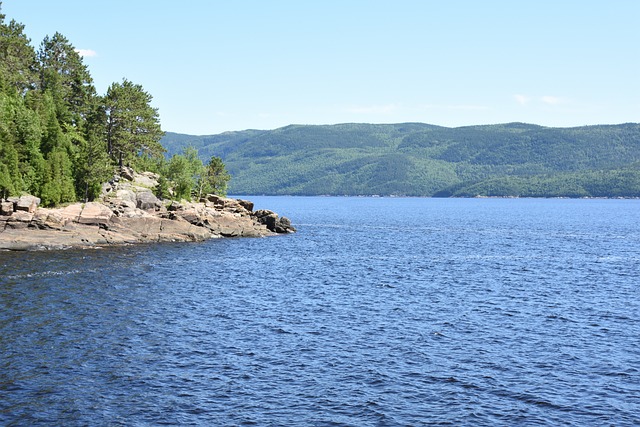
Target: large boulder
{"type": "Point", "coordinates": [283, 225]}
{"type": "Point", "coordinates": [126, 194]}
{"type": "Point", "coordinates": [19, 220]}
{"type": "Point", "coordinates": [146, 179]}
{"type": "Point", "coordinates": [48, 219]}
{"type": "Point", "coordinates": [95, 214]}
{"type": "Point", "coordinates": [191, 215]}
{"type": "Point", "coordinates": [146, 200]}
{"type": "Point", "coordinates": [248, 205]}
{"type": "Point", "coordinates": [273, 222]}
{"type": "Point", "coordinates": [215, 201]}
{"type": "Point", "coordinates": [127, 173]}
{"type": "Point", "coordinates": [6, 208]}
{"type": "Point", "coordinates": [72, 212]}
{"type": "Point", "coordinates": [27, 203]}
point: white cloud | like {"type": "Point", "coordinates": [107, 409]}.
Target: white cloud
{"type": "Point", "coordinates": [552, 100]}
{"type": "Point", "coordinates": [86, 53]}
{"type": "Point", "coordinates": [522, 99]}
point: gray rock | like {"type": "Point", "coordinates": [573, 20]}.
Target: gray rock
{"type": "Point", "coordinates": [191, 216]}
{"type": "Point", "coordinates": [248, 205]}
{"type": "Point", "coordinates": [284, 225]}
{"type": "Point", "coordinates": [273, 222]}
{"type": "Point", "coordinates": [95, 214]}
{"type": "Point", "coordinates": [127, 173]}
{"type": "Point", "coordinates": [146, 179]}
{"type": "Point", "coordinates": [126, 194]}
{"type": "Point", "coordinates": [6, 208]}
{"type": "Point", "coordinates": [19, 220]}
{"type": "Point", "coordinates": [27, 203]}
{"type": "Point", "coordinates": [146, 200]}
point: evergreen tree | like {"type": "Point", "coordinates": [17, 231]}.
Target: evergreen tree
{"type": "Point", "coordinates": [58, 186]}
{"type": "Point", "coordinates": [29, 136]}
{"type": "Point", "coordinates": [133, 126]}
{"type": "Point", "coordinates": [17, 58]}
{"type": "Point", "coordinates": [180, 174]}
{"type": "Point", "coordinates": [6, 185]}
{"type": "Point", "coordinates": [196, 170]}
{"type": "Point", "coordinates": [16, 135]}
{"type": "Point", "coordinates": [93, 163]}
{"type": "Point", "coordinates": [67, 78]}
{"type": "Point", "coordinates": [216, 177]}
{"type": "Point", "coordinates": [188, 174]}
{"type": "Point", "coordinates": [11, 181]}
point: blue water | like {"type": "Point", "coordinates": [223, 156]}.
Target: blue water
{"type": "Point", "coordinates": [378, 312]}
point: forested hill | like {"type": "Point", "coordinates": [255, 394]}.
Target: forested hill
{"type": "Point", "coordinates": [415, 159]}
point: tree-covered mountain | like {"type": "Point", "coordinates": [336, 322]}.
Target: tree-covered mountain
{"type": "Point", "coordinates": [415, 159]}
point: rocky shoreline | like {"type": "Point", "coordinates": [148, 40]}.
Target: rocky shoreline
{"type": "Point", "coordinates": [129, 213]}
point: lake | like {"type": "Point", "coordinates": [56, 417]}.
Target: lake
{"type": "Point", "coordinates": [378, 312]}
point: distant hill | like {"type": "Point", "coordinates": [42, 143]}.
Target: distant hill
{"type": "Point", "coordinates": [416, 159]}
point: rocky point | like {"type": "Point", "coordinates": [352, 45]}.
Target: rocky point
{"type": "Point", "coordinates": [128, 212]}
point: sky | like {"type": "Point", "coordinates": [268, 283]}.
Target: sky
{"type": "Point", "coordinates": [219, 65]}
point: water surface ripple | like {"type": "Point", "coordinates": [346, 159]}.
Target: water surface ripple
{"type": "Point", "coordinates": [381, 312]}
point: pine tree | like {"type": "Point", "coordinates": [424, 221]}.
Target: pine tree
{"type": "Point", "coordinates": [216, 177]}
{"type": "Point", "coordinates": [58, 186]}
{"type": "Point", "coordinates": [93, 163]}
{"type": "Point", "coordinates": [133, 126]}
{"type": "Point", "coordinates": [67, 79]}
{"type": "Point", "coordinates": [11, 183]}
{"type": "Point", "coordinates": [17, 58]}
{"type": "Point", "coordinates": [179, 172]}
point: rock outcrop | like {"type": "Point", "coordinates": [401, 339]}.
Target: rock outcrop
{"type": "Point", "coordinates": [128, 212]}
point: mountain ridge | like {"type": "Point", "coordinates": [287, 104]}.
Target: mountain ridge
{"type": "Point", "coordinates": [418, 159]}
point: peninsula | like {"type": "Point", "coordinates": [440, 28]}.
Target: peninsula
{"type": "Point", "coordinates": [128, 212]}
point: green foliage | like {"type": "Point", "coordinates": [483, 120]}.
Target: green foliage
{"type": "Point", "coordinates": [162, 189]}
{"type": "Point", "coordinates": [59, 140]}
{"type": "Point", "coordinates": [6, 184]}
{"type": "Point", "coordinates": [133, 126]}
{"type": "Point", "coordinates": [188, 176]}
{"type": "Point", "coordinates": [67, 79]}
{"type": "Point", "coordinates": [58, 185]}
{"type": "Point", "coordinates": [17, 59]}
{"type": "Point", "coordinates": [184, 170]}
{"type": "Point", "coordinates": [11, 182]}
{"type": "Point", "coordinates": [215, 178]}
{"type": "Point", "coordinates": [413, 159]}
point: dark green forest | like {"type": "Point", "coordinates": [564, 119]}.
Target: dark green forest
{"type": "Point", "coordinates": [60, 140]}
{"type": "Point", "coordinates": [415, 159]}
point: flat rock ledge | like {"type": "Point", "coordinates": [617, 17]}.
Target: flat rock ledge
{"type": "Point", "coordinates": [130, 214]}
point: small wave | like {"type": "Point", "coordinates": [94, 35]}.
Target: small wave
{"type": "Point", "coordinates": [50, 273]}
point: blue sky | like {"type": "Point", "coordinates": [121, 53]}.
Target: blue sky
{"type": "Point", "coordinates": [214, 66]}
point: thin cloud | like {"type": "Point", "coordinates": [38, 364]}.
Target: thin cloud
{"type": "Point", "coordinates": [86, 53]}
{"type": "Point", "coordinates": [522, 99]}
{"type": "Point", "coordinates": [552, 100]}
